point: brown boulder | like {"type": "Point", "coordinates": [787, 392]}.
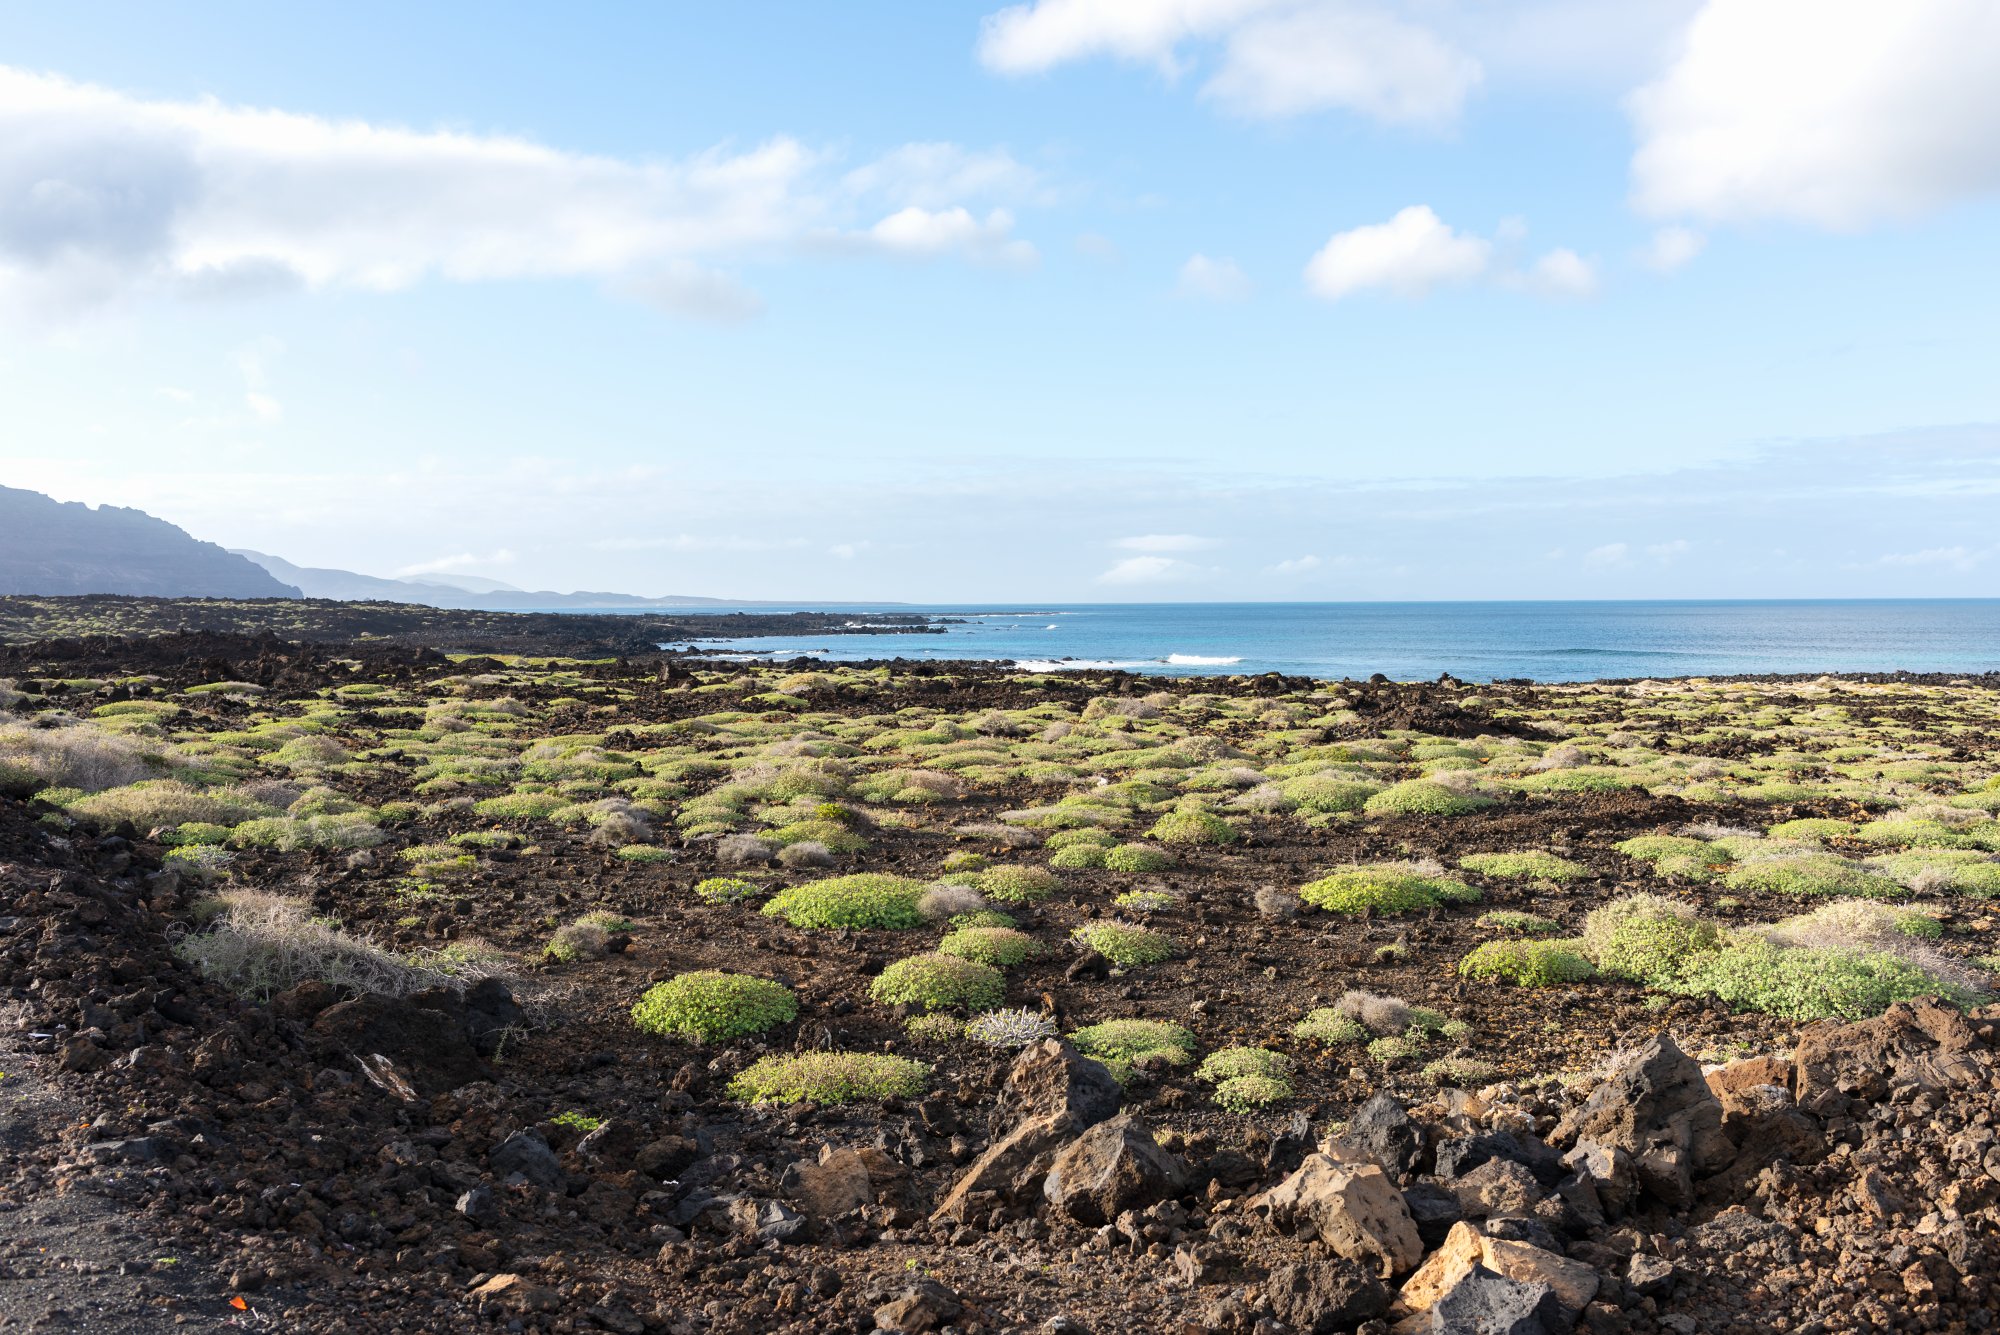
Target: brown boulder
{"type": "Point", "coordinates": [1573, 1282]}
{"type": "Point", "coordinates": [1112, 1167]}
{"type": "Point", "coordinates": [1053, 1092]}
{"type": "Point", "coordinates": [1353, 1208]}
{"type": "Point", "coordinates": [1922, 1043]}
{"type": "Point", "coordinates": [1656, 1107]}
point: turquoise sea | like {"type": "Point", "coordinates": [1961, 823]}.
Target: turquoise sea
{"type": "Point", "coordinates": [1544, 641]}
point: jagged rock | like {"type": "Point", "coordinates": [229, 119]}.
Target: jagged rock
{"type": "Point", "coordinates": [1728, 1082]}
{"type": "Point", "coordinates": [1462, 1154]}
{"type": "Point", "coordinates": [1656, 1107]}
{"type": "Point", "coordinates": [1484, 1303]}
{"type": "Point", "coordinates": [767, 1220]}
{"type": "Point", "coordinates": [667, 1157]}
{"type": "Point", "coordinates": [1324, 1295]}
{"type": "Point", "coordinates": [841, 1180]}
{"type": "Point", "coordinates": [611, 1143]}
{"type": "Point", "coordinates": [526, 1153]}
{"type": "Point", "coordinates": [1498, 1186]}
{"type": "Point", "coordinates": [1921, 1043]}
{"type": "Point", "coordinates": [513, 1293]}
{"type": "Point", "coordinates": [1384, 1132]}
{"type": "Point", "coordinates": [1609, 1171]}
{"type": "Point", "coordinates": [1052, 1093]}
{"type": "Point", "coordinates": [1353, 1208]}
{"type": "Point", "coordinates": [925, 1307]}
{"type": "Point", "coordinates": [1434, 1208]}
{"type": "Point", "coordinates": [478, 1205]}
{"type": "Point", "coordinates": [1573, 1283]}
{"type": "Point", "coordinates": [1112, 1167]}
{"type": "Point", "coordinates": [1650, 1275]}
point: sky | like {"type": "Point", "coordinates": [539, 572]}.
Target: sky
{"type": "Point", "coordinates": [1066, 301]}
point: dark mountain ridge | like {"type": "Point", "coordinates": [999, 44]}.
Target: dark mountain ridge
{"type": "Point", "coordinates": [66, 547]}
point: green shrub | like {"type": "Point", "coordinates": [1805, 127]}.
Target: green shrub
{"type": "Point", "coordinates": [1010, 1028]}
{"type": "Point", "coordinates": [1512, 923]}
{"type": "Point", "coordinates": [1648, 939]}
{"type": "Point", "coordinates": [1389, 1050]}
{"type": "Point", "coordinates": [1077, 857]}
{"type": "Point", "coordinates": [1814, 828]}
{"type": "Point", "coordinates": [643, 853]}
{"type": "Point", "coordinates": [1144, 901]}
{"type": "Point", "coordinates": [981, 918]}
{"type": "Point", "coordinates": [709, 1006]}
{"type": "Point", "coordinates": [830, 1078]}
{"type": "Point", "coordinates": [864, 899]}
{"type": "Point", "coordinates": [519, 806]}
{"type": "Point", "coordinates": [938, 982]}
{"type": "Point", "coordinates": [1001, 947]}
{"type": "Point", "coordinates": [1805, 983]}
{"type": "Point", "coordinates": [1328, 793]}
{"type": "Point", "coordinates": [1524, 866]}
{"type": "Point", "coordinates": [1810, 874]}
{"type": "Point", "coordinates": [1387, 888]}
{"type": "Point", "coordinates": [289, 835]}
{"type": "Point", "coordinates": [1122, 1044]}
{"type": "Point", "coordinates": [726, 889]}
{"type": "Point", "coordinates": [1423, 797]}
{"type": "Point", "coordinates": [1125, 946]}
{"type": "Point", "coordinates": [1228, 1063]}
{"type": "Point", "coordinates": [1137, 858]}
{"type": "Point", "coordinates": [1327, 1025]}
{"type": "Point", "coordinates": [1676, 855]}
{"type": "Point", "coordinates": [1085, 838]}
{"type": "Point", "coordinates": [1016, 885]}
{"type": "Point", "coordinates": [1191, 826]}
{"type": "Point", "coordinates": [1528, 963]}
{"type": "Point", "coordinates": [1248, 1093]}
{"type": "Point", "coordinates": [1460, 1072]}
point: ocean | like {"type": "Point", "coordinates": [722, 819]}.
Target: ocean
{"type": "Point", "coordinates": [1543, 641]}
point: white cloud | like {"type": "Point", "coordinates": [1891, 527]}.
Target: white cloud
{"type": "Point", "coordinates": [1212, 280]}
{"type": "Point", "coordinates": [937, 175]}
{"type": "Point", "coordinates": [1960, 558]}
{"type": "Point", "coordinates": [1149, 570]}
{"type": "Point", "coordinates": [926, 233]}
{"type": "Point", "coordinates": [1671, 247]}
{"type": "Point", "coordinates": [105, 196]}
{"type": "Point", "coordinates": [1097, 246]}
{"type": "Point", "coordinates": [1279, 57]}
{"type": "Point", "coordinates": [1610, 554]}
{"type": "Point", "coordinates": [1563, 273]}
{"type": "Point", "coordinates": [460, 561]}
{"type": "Point", "coordinates": [1167, 542]}
{"type": "Point", "coordinates": [263, 407]}
{"type": "Point", "coordinates": [847, 551]}
{"type": "Point", "coordinates": [177, 394]}
{"type": "Point", "coordinates": [1837, 113]}
{"type": "Point", "coordinates": [1668, 552]}
{"type": "Point", "coordinates": [1298, 565]}
{"type": "Point", "coordinates": [691, 542]}
{"type": "Point", "coordinates": [1342, 55]}
{"type": "Point", "coordinates": [1410, 254]}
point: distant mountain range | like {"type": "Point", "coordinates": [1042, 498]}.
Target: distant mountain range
{"type": "Point", "coordinates": [459, 591]}
{"type": "Point", "coordinates": [65, 547]}
{"type": "Point", "coordinates": [51, 546]}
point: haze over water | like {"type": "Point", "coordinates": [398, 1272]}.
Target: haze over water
{"type": "Point", "coordinates": [1545, 641]}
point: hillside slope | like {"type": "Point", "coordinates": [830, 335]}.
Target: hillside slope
{"type": "Point", "coordinates": [55, 547]}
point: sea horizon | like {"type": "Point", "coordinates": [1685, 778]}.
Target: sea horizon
{"type": "Point", "coordinates": [1474, 640]}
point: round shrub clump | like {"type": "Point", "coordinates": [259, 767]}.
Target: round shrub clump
{"type": "Point", "coordinates": [1138, 858]}
{"type": "Point", "coordinates": [1811, 874]}
{"type": "Point", "coordinates": [1130, 1041]}
{"type": "Point", "coordinates": [938, 982]}
{"type": "Point", "coordinates": [1247, 1093]}
{"type": "Point", "coordinates": [709, 1006]}
{"type": "Point", "coordinates": [1228, 1063]}
{"type": "Point", "coordinates": [1190, 826]}
{"type": "Point", "coordinates": [726, 889]}
{"type": "Point", "coordinates": [1327, 1025]}
{"type": "Point", "coordinates": [1528, 963]}
{"type": "Point", "coordinates": [1423, 797]}
{"type": "Point", "coordinates": [865, 899]}
{"type": "Point", "coordinates": [1388, 888]}
{"type": "Point", "coordinates": [1125, 946]}
{"type": "Point", "coordinates": [1648, 939]}
{"type": "Point", "coordinates": [1078, 857]}
{"type": "Point", "coordinates": [1525, 866]}
{"type": "Point", "coordinates": [1001, 947]}
{"type": "Point", "coordinates": [1145, 901]}
{"type": "Point", "coordinates": [829, 1078]}
{"type": "Point", "coordinates": [1089, 838]}
{"type": "Point", "coordinates": [1814, 983]}
{"type": "Point", "coordinates": [1017, 885]}
{"type": "Point", "coordinates": [1328, 793]}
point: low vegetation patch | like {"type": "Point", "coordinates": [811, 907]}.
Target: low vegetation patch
{"type": "Point", "coordinates": [830, 1078]}
{"type": "Point", "coordinates": [710, 1006]}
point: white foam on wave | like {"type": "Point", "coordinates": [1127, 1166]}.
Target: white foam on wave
{"type": "Point", "coordinates": [1197, 660]}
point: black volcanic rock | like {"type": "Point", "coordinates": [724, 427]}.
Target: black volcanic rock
{"type": "Point", "coordinates": [55, 547]}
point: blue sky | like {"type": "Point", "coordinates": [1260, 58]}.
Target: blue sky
{"type": "Point", "coordinates": [1074, 300]}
